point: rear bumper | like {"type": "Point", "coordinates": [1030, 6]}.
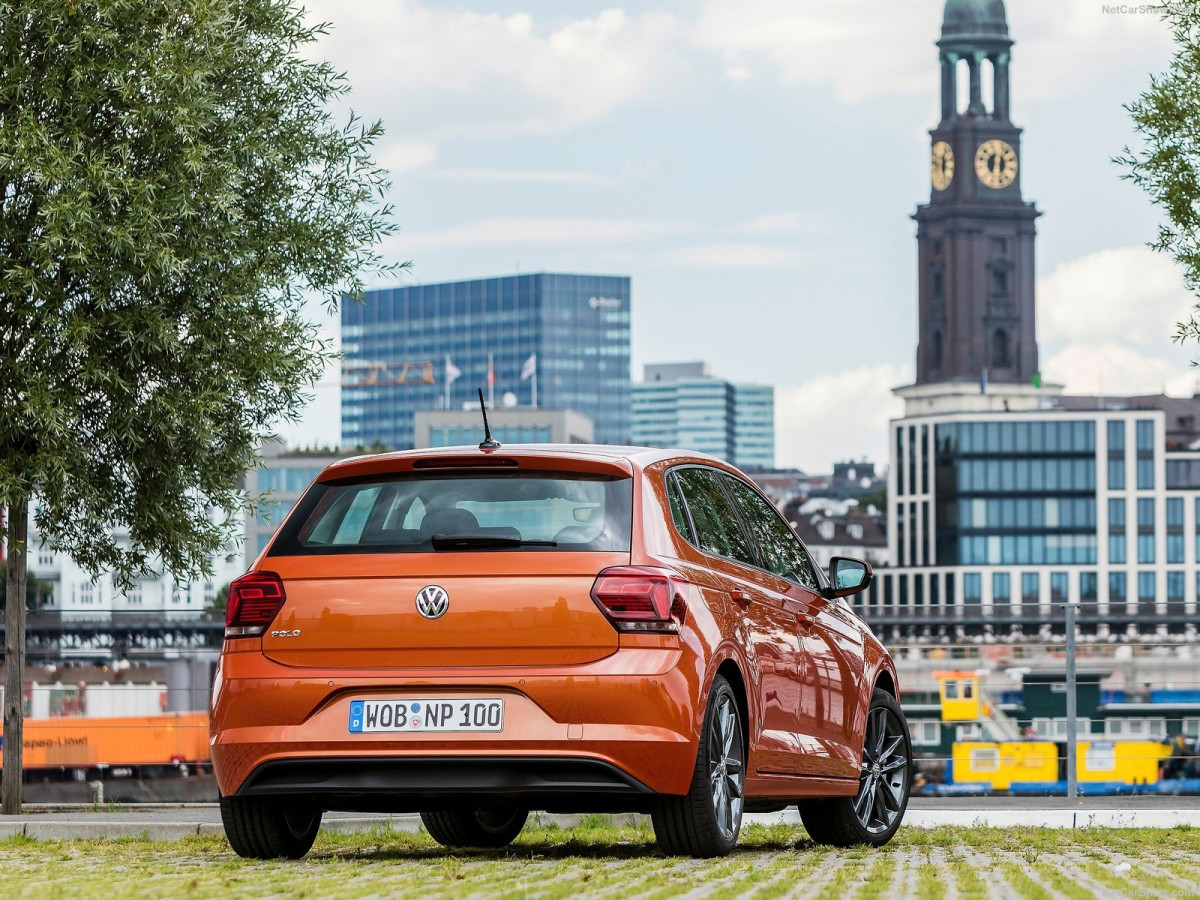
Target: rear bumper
{"type": "Point", "coordinates": [600, 736]}
{"type": "Point", "coordinates": [424, 783]}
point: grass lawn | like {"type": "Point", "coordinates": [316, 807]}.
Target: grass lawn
{"type": "Point", "coordinates": [597, 859]}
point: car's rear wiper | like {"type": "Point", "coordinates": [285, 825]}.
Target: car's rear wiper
{"type": "Point", "coordinates": [482, 542]}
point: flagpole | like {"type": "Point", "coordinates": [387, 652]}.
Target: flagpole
{"type": "Point", "coordinates": [535, 382]}
{"type": "Point", "coordinates": [491, 383]}
{"type": "Point", "coordinates": [446, 376]}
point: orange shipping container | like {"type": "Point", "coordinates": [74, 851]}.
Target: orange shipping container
{"type": "Point", "coordinates": [124, 741]}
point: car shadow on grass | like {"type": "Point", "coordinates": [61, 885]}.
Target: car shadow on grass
{"type": "Point", "coordinates": [549, 844]}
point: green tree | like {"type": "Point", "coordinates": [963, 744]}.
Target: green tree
{"type": "Point", "coordinates": [172, 184]}
{"type": "Point", "coordinates": [37, 591]}
{"type": "Point", "coordinates": [1167, 165]}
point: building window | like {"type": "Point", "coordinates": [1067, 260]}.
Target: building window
{"type": "Point", "coordinates": [1174, 548]}
{"type": "Point", "coordinates": [1116, 548]}
{"type": "Point", "coordinates": [1145, 435]}
{"type": "Point", "coordinates": [1116, 474]}
{"type": "Point", "coordinates": [1001, 588]}
{"type": "Point", "coordinates": [1116, 587]}
{"type": "Point", "coordinates": [1058, 587]}
{"type": "Point", "coordinates": [1174, 586]}
{"type": "Point", "coordinates": [1056, 729]}
{"type": "Point", "coordinates": [972, 588]}
{"type": "Point", "coordinates": [1136, 729]}
{"type": "Point", "coordinates": [1116, 436]}
{"type": "Point", "coordinates": [935, 351]}
{"type": "Point", "coordinates": [1145, 474]}
{"type": "Point", "coordinates": [1087, 587]}
{"type": "Point", "coordinates": [1146, 588]}
{"type": "Point", "coordinates": [1001, 357]}
{"type": "Point", "coordinates": [1145, 545]}
{"type": "Point", "coordinates": [1145, 511]}
{"type": "Point", "coordinates": [925, 732]}
{"type": "Point", "coordinates": [1116, 513]}
{"type": "Point", "coordinates": [970, 732]}
{"type": "Point", "coordinates": [1175, 512]}
{"type": "Point", "coordinates": [1030, 592]}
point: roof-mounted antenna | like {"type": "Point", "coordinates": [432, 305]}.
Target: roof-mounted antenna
{"type": "Point", "coordinates": [488, 442]}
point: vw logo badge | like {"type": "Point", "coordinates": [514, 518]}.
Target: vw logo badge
{"type": "Point", "coordinates": [432, 602]}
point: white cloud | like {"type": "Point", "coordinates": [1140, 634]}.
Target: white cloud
{"type": "Point", "coordinates": [859, 47]}
{"type": "Point", "coordinates": [1062, 46]}
{"type": "Point", "coordinates": [1099, 369]}
{"type": "Point", "coordinates": [496, 232]}
{"type": "Point", "coordinates": [1127, 294]}
{"type": "Point", "coordinates": [731, 256]}
{"type": "Point", "coordinates": [865, 49]}
{"type": "Point", "coordinates": [838, 416]}
{"type": "Point", "coordinates": [438, 72]}
{"type": "Point", "coordinates": [780, 223]}
{"type": "Point", "coordinates": [596, 179]}
{"type": "Point", "coordinates": [404, 156]}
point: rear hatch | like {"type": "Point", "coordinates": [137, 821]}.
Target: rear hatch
{"type": "Point", "coordinates": [449, 569]}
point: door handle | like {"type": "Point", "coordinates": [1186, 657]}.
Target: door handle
{"type": "Point", "coordinates": [740, 597]}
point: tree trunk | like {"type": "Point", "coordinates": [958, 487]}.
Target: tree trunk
{"type": "Point", "coordinates": [14, 657]}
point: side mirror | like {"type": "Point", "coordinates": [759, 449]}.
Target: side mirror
{"type": "Point", "coordinates": [847, 576]}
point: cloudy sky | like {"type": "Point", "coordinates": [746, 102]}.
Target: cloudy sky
{"type": "Point", "coordinates": [752, 165]}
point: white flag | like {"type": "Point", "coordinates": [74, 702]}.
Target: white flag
{"type": "Point", "coordinates": [529, 369]}
{"type": "Point", "coordinates": [452, 371]}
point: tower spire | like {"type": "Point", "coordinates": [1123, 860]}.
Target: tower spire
{"type": "Point", "coordinates": [975, 236]}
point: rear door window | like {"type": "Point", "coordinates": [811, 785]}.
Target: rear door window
{"type": "Point", "coordinates": [782, 553]}
{"type": "Point", "coordinates": [717, 527]}
{"type": "Point", "coordinates": [547, 511]}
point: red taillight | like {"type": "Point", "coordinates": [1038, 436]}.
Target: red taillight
{"type": "Point", "coordinates": [637, 599]}
{"type": "Point", "coordinates": [254, 601]}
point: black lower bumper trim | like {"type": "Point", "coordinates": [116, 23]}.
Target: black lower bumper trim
{"type": "Point", "coordinates": [397, 785]}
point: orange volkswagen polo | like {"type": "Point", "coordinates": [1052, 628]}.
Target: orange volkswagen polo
{"type": "Point", "coordinates": [472, 634]}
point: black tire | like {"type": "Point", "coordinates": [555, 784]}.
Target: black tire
{"type": "Point", "coordinates": [873, 815]}
{"type": "Point", "coordinates": [706, 821]}
{"type": "Point", "coordinates": [480, 828]}
{"type": "Point", "coordinates": [268, 827]}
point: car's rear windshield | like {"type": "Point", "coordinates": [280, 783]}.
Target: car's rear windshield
{"type": "Point", "coordinates": [466, 512]}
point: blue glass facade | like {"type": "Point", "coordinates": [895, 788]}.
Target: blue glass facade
{"type": "Point", "coordinates": [1016, 493]}
{"type": "Point", "coordinates": [396, 343]}
{"type": "Point", "coordinates": [734, 422]}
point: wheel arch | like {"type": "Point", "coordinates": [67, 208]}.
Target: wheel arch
{"type": "Point", "coordinates": [885, 682]}
{"type": "Point", "coordinates": [732, 674]}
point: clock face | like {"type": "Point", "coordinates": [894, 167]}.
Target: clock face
{"type": "Point", "coordinates": [996, 164]}
{"type": "Point", "coordinates": [943, 165]}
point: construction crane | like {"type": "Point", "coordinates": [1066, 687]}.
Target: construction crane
{"type": "Point", "coordinates": [384, 374]}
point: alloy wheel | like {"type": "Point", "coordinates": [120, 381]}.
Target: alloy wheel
{"type": "Point", "coordinates": [885, 771]}
{"type": "Point", "coordinates": [726, 767]}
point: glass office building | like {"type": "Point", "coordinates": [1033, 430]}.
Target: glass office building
{"type": "Point", "coordinates": [397, 342]}
{"type": "Point", "coordinates": [682, 405]}
{"type": "Point", "coordinates": [996, 519]}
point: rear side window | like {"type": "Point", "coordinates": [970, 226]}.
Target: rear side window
{"type": "Point", "coordinates": [717, 526]}
{"type": "Point", "coordinates": [678, 515]}
{"type": "Point", "coordinates": [416, 514]}
{"type": "Point", "coordinates": [781, 551]}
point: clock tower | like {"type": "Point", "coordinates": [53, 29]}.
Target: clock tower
{"type": "Point", "coordinates": [975, 235]}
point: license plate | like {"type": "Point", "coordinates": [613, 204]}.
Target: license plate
{"type": "Point", "coordinates": [464, 714]}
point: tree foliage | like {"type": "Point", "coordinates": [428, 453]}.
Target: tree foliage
{"type": "Point", "coordinates": [1167, 166]}
{"type": "Point", "coordinates": [36, 590]}
{"type": "Point", "coordinates": [172, 184]}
